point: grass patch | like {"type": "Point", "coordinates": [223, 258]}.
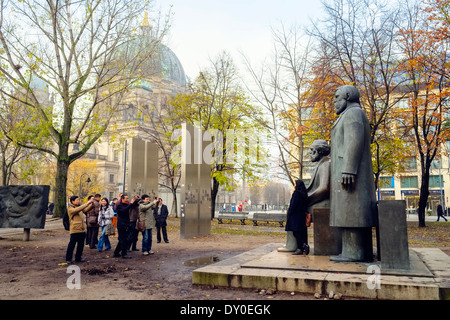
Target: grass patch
{"type": "Point", "coordinates": [435, 234]}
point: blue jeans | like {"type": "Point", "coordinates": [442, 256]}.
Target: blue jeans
{"type": "Point", "coordinates": [147, 240]}
{"type": "Point", "coordinates": [104, 239]}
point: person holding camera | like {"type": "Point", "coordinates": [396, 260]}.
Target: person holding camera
{"type": "Point", "coordinates": [123, 222]}
{"type": "Point", "coordinates": [146, 218]}
{"type": "Point", "coordinates": [77, 229]}
{"type": "Point", "coordinates": [132, 236]}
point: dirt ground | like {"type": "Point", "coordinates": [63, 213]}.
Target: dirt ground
{"type": "Point", "coordinates": [37, 270]}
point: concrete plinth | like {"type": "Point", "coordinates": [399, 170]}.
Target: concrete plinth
{"type": "Point", "coordinates": [428, 277]}
{"type": "Point", "coordinates": [393, 234]}
{"type": "Point", "coordinates": [327, 240]}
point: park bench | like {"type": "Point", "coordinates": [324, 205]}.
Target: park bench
{"type": "Point", "coordinates": [269, 217]}
{"type": "Point", "coordinates": [231, 215]}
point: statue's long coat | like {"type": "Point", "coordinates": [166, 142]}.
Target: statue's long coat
{"type": "Point", "coordinates": [319, 186]}
{"type": "Point", "coordinates": [350, 153]}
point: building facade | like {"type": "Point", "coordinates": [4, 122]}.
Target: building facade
{"type": "Point", "coordinates": [160, 80]}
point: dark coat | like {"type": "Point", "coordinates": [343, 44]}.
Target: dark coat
{"type": "Point", "coordinates": [161, 218]}
{"type": "Point", "coordinates": [123, 213]}
{"type": "Point", "coordinates": [297, 211]}
{"type": "Point", "coordinates": [440, 211]}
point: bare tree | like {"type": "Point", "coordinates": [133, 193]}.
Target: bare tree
{"type": "Point", "coordinates": [281, 88]}
{"type": "Point", "coordinates": [160, 124]}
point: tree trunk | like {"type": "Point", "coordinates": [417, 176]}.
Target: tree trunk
{"type": "Point", "coordinates": [214, 191]}
{"type": "Point", "coordinates": [62, 168]}
{"type": "Point", "coordinates": [424, 193]}
{"type": "Point", "coordinates": [175, 202]}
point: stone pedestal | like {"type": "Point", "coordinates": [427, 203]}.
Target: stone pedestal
{"type": "Point", "coordinates": [291, 243]}
{"type": "Point", "coordinates": [26, 234]}
{"type": "Point", "coordinates": [392, 233]}
{"type": "Point", "coordinates": [327, 240]}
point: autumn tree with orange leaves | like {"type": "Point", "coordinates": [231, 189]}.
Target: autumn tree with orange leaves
{"type": "Point", "coordinates": [424, 43]}
{"type": "Point", "coordinates": [357, 46]}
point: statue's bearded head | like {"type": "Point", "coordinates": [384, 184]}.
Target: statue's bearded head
{"type": "Point", "coordinates": [319, 149]}
{"type": "Point", "coordinates": [344, 96]}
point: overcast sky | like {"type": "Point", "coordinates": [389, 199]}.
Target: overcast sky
{"type": "Point", "coordinates": [201, 29]}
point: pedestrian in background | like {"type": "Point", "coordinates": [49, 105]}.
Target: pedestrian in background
{"type": "Point", "coordinates": [161, 213]}
{"type": "Point", "coordinates": [440, 212]}
{"type": "Point", "coordinates": [114, 221]}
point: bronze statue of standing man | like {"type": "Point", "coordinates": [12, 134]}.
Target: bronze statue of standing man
{"type": "Point", "coordinates": [353, 202]}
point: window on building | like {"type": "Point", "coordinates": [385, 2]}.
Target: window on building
{"type": "Point", "coordinates": [411, 163]}
{"type": "Point", "coordinates": [436, 164]}
{"type": "Point", "coordinates": [435, 181]}
{"type": "Point", "coordinates": [386, 182]}
{"type": "Point", "coordinates": [111, 178]}
{"type": "Point", "coordinates": [409, 182]}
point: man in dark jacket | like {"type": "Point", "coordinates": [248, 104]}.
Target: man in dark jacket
{"type": "Point", "coordinates": [160, 213]}
{"type": "Point", "coordinates": [132, 232]}
{"type": "Point", "coordinates": [123, 221]}
{"type": "Point", "coordinates": [440, 212]}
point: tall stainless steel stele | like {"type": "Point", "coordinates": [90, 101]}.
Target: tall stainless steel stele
{"type": "Point", "coordinates": [195, 185]}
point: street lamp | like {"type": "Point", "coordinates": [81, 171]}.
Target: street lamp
{"type": "Point", "coordinates": [88, 180]}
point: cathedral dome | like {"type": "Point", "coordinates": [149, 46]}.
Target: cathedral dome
{"type": "Point", "coordinates": [170, 66]}
{"type": "Point", "coordinates": [162, 61]}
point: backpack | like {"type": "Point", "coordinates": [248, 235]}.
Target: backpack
{"type": "Point", "coordinates": [65, 221]}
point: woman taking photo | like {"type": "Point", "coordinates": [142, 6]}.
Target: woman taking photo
{"type": "Point", "coordinates": [296, 217]}
{"type": "Point", "coordinates": [105, 218]}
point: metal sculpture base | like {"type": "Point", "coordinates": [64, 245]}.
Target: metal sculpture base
{"type": "Point", "coordinates": [291, 243]}
{"type": "Point", "coordinates": [356, 245]}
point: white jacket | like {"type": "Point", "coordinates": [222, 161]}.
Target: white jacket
{"type": "Point", "coordinates": [105, 216]}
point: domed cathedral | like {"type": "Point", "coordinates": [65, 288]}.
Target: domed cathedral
{"type": "Point", "coordinates": [157, 79]}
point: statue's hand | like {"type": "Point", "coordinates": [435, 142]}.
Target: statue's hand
{"type": "Point", "coordinates": [348, 181]}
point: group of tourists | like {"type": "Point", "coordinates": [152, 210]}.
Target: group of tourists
{"type": "Point", "coordinates": [140, 214]}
